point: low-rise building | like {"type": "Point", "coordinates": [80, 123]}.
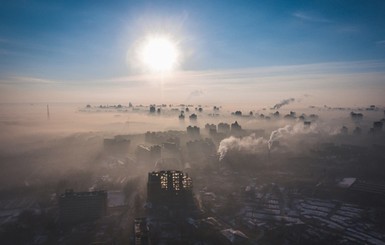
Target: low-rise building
{"type": "Point", "coordinates": [75, 207]}
{"type": "Point", "coordinates": [148, 153]}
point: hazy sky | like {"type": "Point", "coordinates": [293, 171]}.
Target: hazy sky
{"type": "Point", "coordinates": [231, 51]}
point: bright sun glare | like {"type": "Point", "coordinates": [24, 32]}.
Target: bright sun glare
{"type": "Point", "coordinates": [159, 53]}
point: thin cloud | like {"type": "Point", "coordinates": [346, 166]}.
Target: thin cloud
{"type": "Point", "coordinates": [310, 17]}
{"type": "Point", "coordinates": [263, 84]}
{"type": "Point", "coordinates": [195, 93]}
{"type": "Point", "coordinates": [349, 29]}
{"type": "Point", "coordinates": [4, 40]}
{"type": "Point", "coordinates": [244, 76]}
{"type": "Point", "coordinates": [27, 80]}
{"type": "Point", "coordinates": [258, 76]}
{"type": "Point", "coordinates": [5, 51]}
{"type": "Point", "coordinates": [16, 44]}
{"type": "Point", "coordinates": [241, 76]}
{"type": "Point", "coordinates": [136, 77]}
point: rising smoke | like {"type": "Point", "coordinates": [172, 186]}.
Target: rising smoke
{"type": "Point", "coordinates": [283, 102]}
{"type": "Point", "coordinates": [277, 134]}
{"type": "Point", "coordinates": [248, 144]}
{"type": "Point", "coordinates": [254, 145]}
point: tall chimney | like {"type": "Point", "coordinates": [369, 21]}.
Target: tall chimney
{"type": "Point", "coordinates": [47, 112]}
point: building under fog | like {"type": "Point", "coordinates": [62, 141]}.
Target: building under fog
{"type": "Point", "coordinates": [193, 131]}
{"type": "Point", "coordinates": [356, 116]}
{"type": "Point", "coordinates": [236, 128]}
{"type": "Point", "coordinates": [75, 207]}
{"type": "Point", "coordinates": [377, 126]}
{"type": "Point", "coordinates": [148, 153]}
{"type": "Point", "coordinates": [223, 128]}
{"type": "Point", "coordinates": [201, 147]}
{"type": "Point", "coordinates": [211, 129]}
{"type": "Point", "coordinates": [193, 117]}
{"type": "Point", "coordinates": [120, 143]}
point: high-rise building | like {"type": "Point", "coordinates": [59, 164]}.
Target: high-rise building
{"type": "Point", "coordinates": [169, 187]}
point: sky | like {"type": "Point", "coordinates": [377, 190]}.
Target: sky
{"type": "Point", "coordinates": [248, 52]}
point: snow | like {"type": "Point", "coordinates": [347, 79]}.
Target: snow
{"type": "Point", "coordinates": [346, 182]}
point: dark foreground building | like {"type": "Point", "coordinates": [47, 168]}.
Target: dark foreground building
{"type": "Point", "coordinates": [170, 209]}
{"type": "Point", "coordinates": [170, 188]}
{"type": "Point", "coordinates": [75, 207]}
{"type": "Point", "coordinates": [173, 217]}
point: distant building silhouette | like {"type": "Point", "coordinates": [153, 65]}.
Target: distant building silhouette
{"type": "Point", "coordinates": [307, 124]}
{"type": "Point", "coordinates": [223, 128]}
{"type": "Point", "coordinates": [211, 128]}
{"type": "Point", "coordinates": [313, 117]}
{"type": "Point", "coordinates": [200, 148]}
{"type": "Point", "coordinates": [371, 108]}
{"type": "Point", "coordinates": [193, 117]}
{"type": "Point", "coordinates": [377, 126]}
{"type": "Point", "coordinates": [235, 128]}
{"type": "Point", "coordinates": [344, 130]}
{"type": "Point", "coordinates": [291, 115]}
{"type": "Point", "coordinates": [238, 113]}
{"type": "Point", "coordinates": [193, 131]}
{"type": "Point", "coordinates": [356, 116]}
{"type": "Point", "coordinates": [120, 143]}
{"type": "Point", "coordinates": [357, 131]}
{"type": "Point", "coordinates": [171, 146]}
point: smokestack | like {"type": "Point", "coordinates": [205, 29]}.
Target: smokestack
{"type": "Point", "coordinates": [47, 112]}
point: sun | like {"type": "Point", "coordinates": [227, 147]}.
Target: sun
{"type": "Point", "coordinates": [159, 53]}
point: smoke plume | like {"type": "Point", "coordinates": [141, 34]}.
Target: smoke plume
{"type": "Point", "coordinates": [249, 144]}
{"type": "Point", "coordinates": [277, 134]}
{"type": "Point", "coordinates": [283, 102]}
{"type": "Point", "coordinates": [253, 144]}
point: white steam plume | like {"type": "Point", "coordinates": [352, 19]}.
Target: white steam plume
{"type": "Point", "coordinates": [253, 144]}
{"type": "Point", "coordinates": [249, 143]}
{"type": "Point", "coordinates": [288, 130]}
{"type": "Point", "coordinates": [276, 134]}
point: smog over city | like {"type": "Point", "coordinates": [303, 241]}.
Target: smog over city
{"type": "Point", "coordinates": [192, 122]}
